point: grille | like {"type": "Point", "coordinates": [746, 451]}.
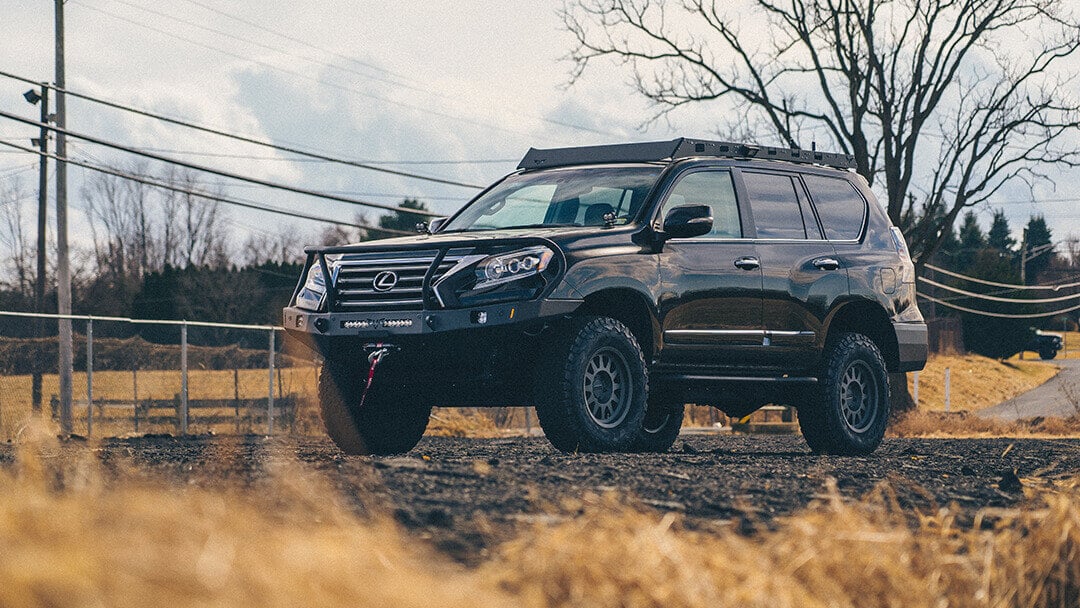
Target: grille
{"type": "Point", "coordinates": [356, 287]}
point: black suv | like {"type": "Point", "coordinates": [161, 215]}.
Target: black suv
{"type": "Point", "coordinates": [608, 286]}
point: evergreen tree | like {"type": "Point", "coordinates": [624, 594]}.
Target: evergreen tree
{"type": "Point", "coordinates": [999, 237]}
{"type": "Point", "coordinates": [972, 240]}
{"type": "Point", "coordinates": [1037, 235]}
{"type": "Point", "coordinates": [993, 336]}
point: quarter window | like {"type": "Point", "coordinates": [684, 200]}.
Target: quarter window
{"type": "Point", "coordinates": [775, 202]}
{"type": "Point", "coordinates": [839, 205]}
{"type": "Point", "coordinates": [712, 188]}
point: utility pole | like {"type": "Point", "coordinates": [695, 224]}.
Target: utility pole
{"type": "Point", "coordinates": [43, 214]}
{"type": "Point", "coordinates": [1023, 258]}
{"type": "Point", "coordinates": [63, 269]}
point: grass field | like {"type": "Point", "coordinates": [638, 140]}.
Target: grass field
{"type": "Point", "coordinates": [978, 382]}
{"type": "Point", "coordinates": [294, 543]}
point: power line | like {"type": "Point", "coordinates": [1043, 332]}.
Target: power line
{"type": "Point", "coordinates": [296, 74]}
{"type": "Point", "coordinates": [482, 161]}
{"type": "Point", "coordinates": [267, 47]}
{"type": "Point", "coordinates": [1007, 285]}
{"type": "Point", "coordinates": [205, 195]}
{"type": "Point", "coordinates": [1034, 201]}
{"type": "Point", "coordinates": [218, 172]}
{"type": "Point", "coordinates": [243, 138]}
{"type": "Point", "coordinates": [997, 314]}
{"type": "Point", "coordinates": [297, 40]}
{"type": "Point", "coordinates": [991, 298]}
{"type": "Point", "coordinates": [394, 195]}
{"type": "Point", "coordinates": [358, 62]}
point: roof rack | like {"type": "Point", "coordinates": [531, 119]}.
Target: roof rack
{"type": "Point", "coordinates": [682, 147]}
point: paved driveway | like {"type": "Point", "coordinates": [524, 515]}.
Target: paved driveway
{"type": "Point", "coordinates": [1060, 397]}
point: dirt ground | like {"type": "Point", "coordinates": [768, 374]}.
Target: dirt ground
{"type": "Point", "coordinates": [467, 495]}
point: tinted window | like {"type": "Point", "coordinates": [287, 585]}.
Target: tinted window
{"type": "Point", "coordinates": [712, 188]}
{"type": "Point", "coordinates": [839, 205]}
{"type": "Point", "coordinates": [777, 213]}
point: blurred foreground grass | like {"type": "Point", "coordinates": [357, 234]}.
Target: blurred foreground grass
{"type": "Point", "coordinates": [136, 543]}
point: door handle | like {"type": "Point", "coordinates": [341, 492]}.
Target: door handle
{"type": "Point", "coordinates": [826, 263]}
{"type": "Point", "coordinates": [747, 263]}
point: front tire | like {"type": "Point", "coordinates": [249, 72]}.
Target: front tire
{"type": "Point", "coordinates": [592, 388]}
{"type": "Point", "coordinates": [849, 409]}
{"type": "Point", "coordinates": [387, 423]}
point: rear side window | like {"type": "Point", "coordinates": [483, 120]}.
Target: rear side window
{"type": "Point", "coordinates": [775, 203]}
{"type": "Point", "coordinates": [840, 207]}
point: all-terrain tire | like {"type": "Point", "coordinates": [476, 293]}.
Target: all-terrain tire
{"type": "Point", "coordinates": [849, 409]}
{"type": "Point", "coordinates": [661, 426]}
{"type": "Point", "coordinates": [592, 388]}
{"type": "Point", "coordinates": [387, 423]}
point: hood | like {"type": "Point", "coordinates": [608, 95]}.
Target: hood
{"type": "Point", "coordinates": [555, 234]}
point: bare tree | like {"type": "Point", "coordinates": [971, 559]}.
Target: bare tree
{"type": "Point", "coordinates": [137, 228]}
{"type": "Point", "coordinates": [14, 236]}
{"type": "Point", "coordinates": [941, 102]}
{"type": "Point", "coordinates": [194, 228]}
{"type": "Point", "coordinates": [337, 234]}
{"type": "Point", "coordinates": [284, 246]}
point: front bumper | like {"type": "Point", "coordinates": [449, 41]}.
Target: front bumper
{"type": "Point", "coordinates": [317, 327]}
{"type": "Point", "coordinates": [912, 343]}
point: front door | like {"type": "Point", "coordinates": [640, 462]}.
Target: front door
{"type": "Point", "coordinates": [710, 305]}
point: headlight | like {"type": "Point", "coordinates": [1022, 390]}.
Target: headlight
{"type": "Point", "coordinates": [313, 292]}
{"type": "Point", "coordinates": [507, 267]}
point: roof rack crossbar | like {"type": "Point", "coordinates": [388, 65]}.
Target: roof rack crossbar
{"type": "Point", "coordinates": [654, 151]}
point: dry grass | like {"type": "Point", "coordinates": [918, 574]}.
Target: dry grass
{"type": "Point", "coordinates": [145, 545]}
{"type": "Point", "coordinates": [977, 382]}
{"type": "Point", "coordinates": [461, 422]}
{"type": "Point", "coordinates": [137, 544]}
{"type": "Point", "coordinates": [834, 554]}
{"type": "Point", "coordinates": [922, 423]}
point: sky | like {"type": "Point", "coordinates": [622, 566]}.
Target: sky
{"type": "Point", "coordinates": [454, 89]}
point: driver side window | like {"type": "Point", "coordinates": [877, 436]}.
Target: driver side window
{"type": "Point", "coordinates": [712, 188]}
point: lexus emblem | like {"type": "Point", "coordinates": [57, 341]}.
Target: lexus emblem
{"type": "Point", "coordinates": [385, 280]}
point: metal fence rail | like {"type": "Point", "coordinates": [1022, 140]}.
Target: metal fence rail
{"type": "Point", "coordinates": [23, 354]}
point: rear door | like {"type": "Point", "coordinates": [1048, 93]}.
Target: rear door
{"type": "Point", "coordinates": [801, 273]}
{"type": "Point", "coordinates": [710, 306]}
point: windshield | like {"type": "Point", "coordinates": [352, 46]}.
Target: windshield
{"type": "Point", "coordinates": [579, 196]}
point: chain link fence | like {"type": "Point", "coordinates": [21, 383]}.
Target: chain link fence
{"type": "Point", "coordinates": [133, 376]}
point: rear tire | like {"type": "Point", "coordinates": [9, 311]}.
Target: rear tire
{"type": "Point", "coordinates": [592, 388]}
{"type": "Point", "coordinates": [386, 424]}
{"type": "Point", "coordinates": [661, 426]}
{"type": "Point", "coordinates": [849, 408]}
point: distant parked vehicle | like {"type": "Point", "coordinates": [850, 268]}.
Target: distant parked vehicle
{"type": "Point", "coordinates": [1045, 343]}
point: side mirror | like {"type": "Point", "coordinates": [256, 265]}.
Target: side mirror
{"type": "Point", "coordinates": [430, 227]}
{"type": "Point", "coordinates": [688, 221]}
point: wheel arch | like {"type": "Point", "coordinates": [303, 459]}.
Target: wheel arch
{"type": "Point", "coordinates": [870, 319]}
{"type": "Point", "coordinates": [632, 309]}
